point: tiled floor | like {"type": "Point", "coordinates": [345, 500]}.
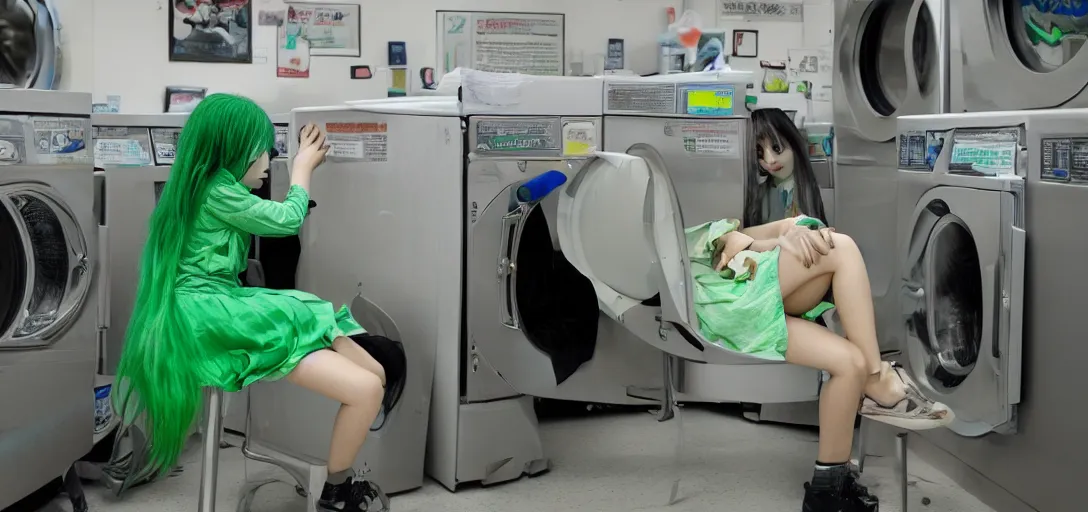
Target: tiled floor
{"type": "Point", "coordinates": [618, 462]}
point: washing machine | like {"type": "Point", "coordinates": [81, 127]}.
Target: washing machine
{"type": "Point", "coordinates": [1000, 344]}
{"type": "Point", "coordinates": [885, 66]}
{"type": "Point", "coordinates": [48, 310]}
{"type": "Point", "coordinates": [132, 158]}
{"type": "Point", "coordinates": [1007, 47]}
{"type": "Point", "coordinates": [486, 326]}
{"type": "Point", "coordinates": [694, 128]}
{"type": "Point", "coordinates": [34, 59]}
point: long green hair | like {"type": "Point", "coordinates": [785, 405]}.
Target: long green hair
{"type": "Point", "coordinates": [157, 375]}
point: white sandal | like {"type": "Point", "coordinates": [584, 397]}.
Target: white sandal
{"type": "Point", "coordinates": [913, 412]}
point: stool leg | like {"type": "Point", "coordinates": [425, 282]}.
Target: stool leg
{"type": "Point", "coordinates": [901, 450]}
{"type": "Point", "coordinates": [861, 445]}
{"type": "Point", "coordinates": [209, 468]}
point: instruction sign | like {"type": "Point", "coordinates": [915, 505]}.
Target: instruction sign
{"type": "Point", "coordinates": [991, 153]}
{"type": "Point", "coordinates": [506, 136]}
{"type": "Point", "coordinates": [61, 140]}
{"type": "Point", "coordinates": [118, 146]}
{"type": "Point", "coordinates": [1065, 160]}
{"type": "Point", "coordinates": [711, 139]}
{"type": "Point", "coordinates": [648, 98]}
{"type": "Point", "coordinates": [165, 142]}
{"type": "Point", "coordinates": [281, 140]}
{"type": "Point", "coordinates": [579, 138]}
{"type": "Point", "coordinates": [528, 43]}
{"type": "Point", "coordinates": [363, 142]}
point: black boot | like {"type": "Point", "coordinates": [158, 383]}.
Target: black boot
{"type": "Point", "coordinates": [354, 495]}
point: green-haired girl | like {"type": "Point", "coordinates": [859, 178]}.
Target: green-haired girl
{"type": "Point", "coordinates": [194, 325]}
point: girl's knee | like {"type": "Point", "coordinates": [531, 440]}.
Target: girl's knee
{"type": "Point", "coordinates": [851, 364]}
{"type": "Point", "coordinates": [367, 387]}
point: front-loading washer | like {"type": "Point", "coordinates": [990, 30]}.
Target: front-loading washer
{"type": "Point", "coordinates": [48, 312]}
{"type": "Point", "coordinates": [1011, 371]}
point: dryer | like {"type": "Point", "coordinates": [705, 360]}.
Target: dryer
{"type": "Point", "coordinates": [132, 155]}
{"type": "Point", "coordinates": [34, 58]}
{"type": "Point", "coordinates": [1021, 54]}
{"type": "Point", "coordinates": [48, 244]}
{"type": "Point", "coordinates": [694, 127]}
{"type": "Point", "coordinates": [885, 67]}
{"type": "Point", "coordinates": [1011, 363]}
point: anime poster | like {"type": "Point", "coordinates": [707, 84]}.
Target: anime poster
{"type": "Point", "coordinates": [211, 31]}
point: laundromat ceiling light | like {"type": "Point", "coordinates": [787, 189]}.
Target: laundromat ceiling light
{"type": "Point", "coordinates": [30, 54]}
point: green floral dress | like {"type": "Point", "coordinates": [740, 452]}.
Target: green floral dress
{"type": "Point", "coordinates": [741, 311]}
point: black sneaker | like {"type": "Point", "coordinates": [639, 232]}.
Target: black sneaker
{"type": "Point", "coordinates": [353, 496]}
{"type": "Point", "coordinates": [857, 495]}
{"type": "Point", "coordinates": [824, 500]}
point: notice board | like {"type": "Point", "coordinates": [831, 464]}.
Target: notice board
{"type": "Point", "coordinates": [503, 42]}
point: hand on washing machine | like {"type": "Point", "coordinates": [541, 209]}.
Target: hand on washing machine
{"type": "Point", "coordinates": [312, 148]}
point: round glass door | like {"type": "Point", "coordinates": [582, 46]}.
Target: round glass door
{"type": "Point", "coordinates": [882, 58]}
{"type": "Point", "coordinates": [952, 331]}
{"type": "Point", "coordinates": [1046, 34]}
{"type": "Point", "coordinates": [55, 261]}
{"type": "Point", "coordinates": [30, 31]}
{"type": "Point", "coordinates": [13, 271]}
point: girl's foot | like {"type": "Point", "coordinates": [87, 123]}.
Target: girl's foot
{"type": "Point", "coordinates": [912, 412]}
{"type": "Point", "coordinates": [354, 495]}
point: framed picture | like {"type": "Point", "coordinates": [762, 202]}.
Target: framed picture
{"type": "Point", "coordinates": [330, 29]}
{"type": "Point", "coordinates": [746, 43]}
{"type": "Point", "coordinates": [211, 31]}
{"type": "Point", "coordinates": [183, 99]}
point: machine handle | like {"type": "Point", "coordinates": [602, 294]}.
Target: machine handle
{"type": "Point", "coordinates": [1001, 295]}
{"type": "Point", "coordinates": [103, 277]}
{"type": "Point", "coordinates": [1016, 309]}
{"type": "Point", "coordinates": [507, 269]}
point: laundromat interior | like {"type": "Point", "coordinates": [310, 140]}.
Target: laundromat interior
{"type": "Point", "coordinates": [601, 255]}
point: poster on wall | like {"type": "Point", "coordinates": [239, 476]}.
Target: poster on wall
{"type": "Point", "coordinates": [292, 49]}
{"type": "Point", "coordinates": [786, 10]}
{"type": "Point", "coordinates": [211, 31]}
{"type": "Point", "coordinates": [813, 66]}
{"type": "Point", "coordinates": [529, 43]}
{"type": "Point", "coordinates": [331, 29]}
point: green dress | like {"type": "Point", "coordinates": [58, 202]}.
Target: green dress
{"type": "Point", "coordinates": [248, 334]}
{"type": "Point", "coordinates": [743, 313]}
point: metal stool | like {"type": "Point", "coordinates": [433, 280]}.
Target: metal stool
{"type": "Point", "coordinates": [900, 456]}
{"type": "Point", "coordinates": [309, 474]}
{"type": "Point", "coordinates": [209, 465]}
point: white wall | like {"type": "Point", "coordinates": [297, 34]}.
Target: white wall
{"type": "Point", "coordinates": [77, 42]}
{"type": "Point", "coordinates": [130, 47]}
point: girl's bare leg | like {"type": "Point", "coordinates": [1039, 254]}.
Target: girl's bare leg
{"type": "Point", "coordinates": [814, 346]}
{"type": "Point", "coordinates": [359, 392]}
{"type": "Point", "coordinates": [351, 350]}
{"type": "Point", "coordinates": [803, 288]}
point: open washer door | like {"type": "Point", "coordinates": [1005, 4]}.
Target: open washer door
{"type": "Point", "coordinates": [30, 30]}
{"type": "Point", "coordinates": [621, 225]}
{"type": "Point", "coordinates": [962, 300]}
{"type": "Point", "coordinates": [1011, 46]}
